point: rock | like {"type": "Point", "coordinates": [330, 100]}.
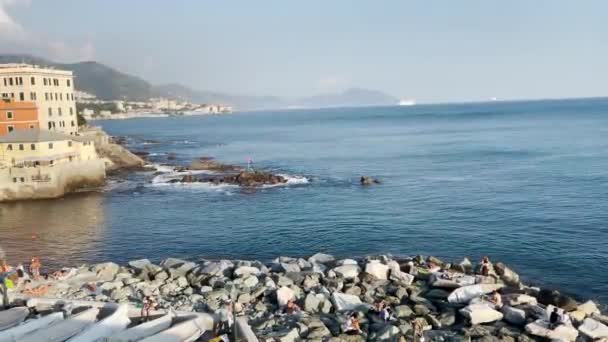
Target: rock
{"type": "Point", "coordinates": [353, 290]}
{"type": "Point", "coordinates": [312, 303]}
{"type": "Point", "coordinates": [106, 271]}
{"type": "Point", "coordinates": [182, 282]}
{"type": "Point", "coordinates": [284, 281]}
{"type": "Point", "coordinates": [345, 302]}
{"type": "Point", "coordinates": [435, 323]}
{"type": "Point", "coordinates": [347, 271]}
{"type": "Point", "coordinates": [386, 333]}
{"type": "Point", "coordinates": [216, 268]}
{"type": "Point", "coordinates": [403, 311]}
{"type": "Point", "coordinates": [593, 329]}
{"type": "Point", "coordinates": [321, 258]}
{"type": "Point", "coordinates": [376, 269]}
{"type": "Point", "coordinates": [284, 295]}
{"type": "Point", "coordinates": [250, 281]}
{"type": "Point", "coordinates": [177, 267]}
{"type": "Point", "coordinates": [144, 266]}
{"type": "Point", "coordinates": [480, 313]}
{"type": "Point", "coordinates": [434, 260]}
{"type": "Point", "coordinates": [244, 271]}
{"type": "Point", "coordinates": [366, 180]}
{"type": "Point", "coordinates": [347, 262]}
{"type": "Point", "coordinates": [448, 317]}
{"type": "Point", "coordinates": [244, 298]}
{"type": "Point", "coordinates": [552, 297]}
{"type": "Point", "coordinates": [401, 277]}
{"type": "Point", "coordinates": [589, 308]}
{"type": "Point", "coordinates": [311, 281]}
{"type": "Point", "coordinates": [289, 267]}
{"type": "Point", "coordinates": [516, 299]}
{"type": "Point", "coordinates": [506, 274]}
{"type": "Point", "coordinates": [161, 275]}
{"type": "Point", "coordinates": [437, 294]}
{"type": "Point", "coordinates": [421, 309]}
{"type": "Point", "coordinates": [513, 315]}
{"type": "Point", "coordinates": [561, 333]}
{"type": "Point", "coordinates": [292, 336]}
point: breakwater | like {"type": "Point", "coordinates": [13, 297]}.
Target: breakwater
{"type": "Point", "coordinates": [317, 298]}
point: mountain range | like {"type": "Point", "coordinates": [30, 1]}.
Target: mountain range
{"type": "Point", "coordinates": [110, 84]}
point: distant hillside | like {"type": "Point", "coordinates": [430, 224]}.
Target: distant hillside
{"type": "Point", "coordinates": [109, 84]}
{"type": "Point", "coordinates": [95, 78]}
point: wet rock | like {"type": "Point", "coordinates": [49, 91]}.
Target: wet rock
{"type": "Point", "coordinates": [321, 258]}
{"type": "Point", "coordinates": [506, 274]}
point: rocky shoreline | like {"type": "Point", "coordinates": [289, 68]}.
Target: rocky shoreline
{"type": "Point", "coordinates": [297, 299]}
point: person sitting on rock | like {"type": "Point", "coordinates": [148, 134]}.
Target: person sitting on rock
{"type": "Point", "coordinates": [486, 266]}
{"type": "Point", "coordinates": [555, 319]}
{"type": "Point", "coordinates": [432, 267]}
{"type": "Point", "coordinates": [496, 299]}
{"type": "Point", "coordinates": [352, 325]}
{"type": "Point", "coordinates": [292, 307]}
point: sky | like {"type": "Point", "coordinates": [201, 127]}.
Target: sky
{"type": "Point", "coordinates": [433, 51]}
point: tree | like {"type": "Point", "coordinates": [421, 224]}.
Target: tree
{"type": "Point", "coordinates": [81, 120]}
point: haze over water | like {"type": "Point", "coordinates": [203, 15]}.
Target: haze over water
{"type": "Point", "coordinates": [525, 183]}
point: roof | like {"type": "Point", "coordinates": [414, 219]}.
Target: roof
{"type": "Point", "coordinates": [33, 135]}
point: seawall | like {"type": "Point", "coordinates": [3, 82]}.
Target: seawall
{"type": "Point", "coordinates": [22, 183]}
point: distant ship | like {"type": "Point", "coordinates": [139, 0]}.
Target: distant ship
{"type": "Point", "coordinates": [407, 102]}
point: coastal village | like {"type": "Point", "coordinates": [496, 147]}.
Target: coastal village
{"type": "Point", "coordinates": [45, 151]}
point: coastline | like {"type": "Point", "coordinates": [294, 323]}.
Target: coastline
{"type": "Point", "coordinates": [448, 300]}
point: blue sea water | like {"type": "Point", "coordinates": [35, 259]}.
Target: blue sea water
{"type": "Point", "coordinates": [523, 182]}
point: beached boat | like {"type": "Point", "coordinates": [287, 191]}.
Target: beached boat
{"type": "Point", "coordinates": [16, 333]}
{"type": "Point", "coordinates": [465, 294]}
{"type": "Point", "coordinates": [65, 329]}
{"type": "Point", "coordinates": [139, 332]}
{"type": "Point", "coordinates": [187, 331]}
{"type": "Point", "coordinates": [12, 317]}
{"type": "Point", "coordinates": [116, 322]}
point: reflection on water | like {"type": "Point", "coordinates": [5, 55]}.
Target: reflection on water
{"type": "Point", "coordinates": [61, 232]}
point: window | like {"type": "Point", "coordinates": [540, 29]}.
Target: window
{"type": "Point", "coordinates": [20, 81]}
{"type": "Point", "coordinates": [69, 83]}
{"type": "Point", "coordinates": [50, 111]}
{"type": "Point", "coordinates": [14, 179]}
{"type": "Point", "coordinates": [56, 97]}
{"type": "Point", "coordinates": [33, 81]}
{"type": "Point", "coordinates": [5, 84]}
{"type": "Point", "coordinates": [50, 125]}
{"type": "Point", "coordinates": [33, 96]}
{"type": "Point", "coordinates": [32, 126]}
{"type": "Point", "coordinates": [73, 124]}
{"type": "Point", "coordinates": [9, 115]}
{"type": "Point", "coordinates": [69, 143]}
{"type": "Point", "coordinates": [9, 147]}
{"type": "Point", "coordinates": [21, 96]}
{"type": "Point", "coordinates": [21, 148]}
{"type": "Point", "coordinates": [60, 96]}
{"type": "Point", "coordinates": [71, 111]}
{"type": "Point", "coordinates": [72, 96]}
{"type": "Point", "coordinates": [10, 81]}
{"type": "Point", "coordinates": [51, 162]}
{"type": "Point", "coordinates": [59, 111]}
{"type": "Point", "coordinates": [33, 147]}
{"type": "Point", "coordinates": [10, 128]}
{"type": "Point", "coordinates": [22, 179]}
{"type": "Point", "coordinates": [46, 96]}
{"type": "Point", "coordinates": [50, 146]}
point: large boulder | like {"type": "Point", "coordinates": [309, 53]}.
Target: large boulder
{"type": "Point", "coordinates": [106, 271]}
{"type": "Point", "coordinates": [244, 271]}
{"type": "Point", "coordinates": [177, 267]}
{"type": "Point", "coordinates": [513, 315]}
{"type": "Point", "coordinates": [553, 297]}
{"type": "Point", "coordinates": [515, 299]}
{"type": "Point", "coordinates": [465, 294]}
{"type": "Point", "coordinates": [540, 328]}
{"type": "Point", "coordinates": [347, 271]}
{"type": "Point", "coordinates": [506, 274]}
{"type": "Point", "coordinates": [321, 258]}
{"type": "Point", "coordinates": [144, 266]}
{"type": "Point", "coordinates": [593, 329]}
{"type": "Point", "coordinates": [284, 295]}
{"type": "Point", "coordinates": [377, 269]}
{"type": "Point", "coordinates": [403, 311]}
{"type": "Point", "coordinates": [480, 313]}
{"type": "Point", "coordinates": [216, 268]}
{"type": "Point", "coordinates": [346, 302]}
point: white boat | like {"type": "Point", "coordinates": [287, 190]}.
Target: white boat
{"type": "Point", "coordinates": [407, 102]}
{"type": "Point", "coordinates": [143, 330]}
{"type": "Point", "coordinates": [15, 334]}
{"type": "Point", "coordinates": [465, 294]}
{"type": "Point", "coordinates": [12, 317]}
{"type": "Point", "coordinates": [116, 322]}
{"type": "Point", "coordinates": [187, 331]}
{"type": "Point", "coordinates": [65, 329]}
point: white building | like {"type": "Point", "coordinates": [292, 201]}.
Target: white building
{"type": "Point", "coordinates": [50, 89]}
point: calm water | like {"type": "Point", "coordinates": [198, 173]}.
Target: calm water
{"type": "Point", "coordinates": [526, 183]}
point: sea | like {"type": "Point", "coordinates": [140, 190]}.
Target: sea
{"type": "Point", "coordinates": [525, 183]}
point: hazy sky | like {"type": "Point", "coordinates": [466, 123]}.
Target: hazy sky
{"type": "Point", "coordinates": [430, 50]}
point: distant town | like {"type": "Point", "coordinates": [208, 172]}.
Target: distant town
{"type": "Point", "coordinates": [92, 108]}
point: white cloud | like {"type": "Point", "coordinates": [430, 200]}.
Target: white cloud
{"type": "Point", "coordinates": [17, 39]}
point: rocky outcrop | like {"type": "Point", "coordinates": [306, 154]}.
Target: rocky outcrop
{"type": "Point", "coordinates": [119, 158]}
{"type": "Point", "coordinates": [243, 178]}
{"type": "Point", "coordinates": [209, 164]}
{"type": "Point", "coordinates": [326, 292]}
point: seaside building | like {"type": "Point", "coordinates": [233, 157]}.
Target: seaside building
{"type": "Point", "coordinates": [41, 164]}
{"type": "Point", "coordinates": [51, 90]}
{"type": "Point", "coordinates": [17, 116]}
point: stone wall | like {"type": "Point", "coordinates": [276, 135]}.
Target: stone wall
{"type": "Point", "coordinates": [21, 183]}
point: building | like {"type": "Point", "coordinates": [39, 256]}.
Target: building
{"type": "Point", "coordinates": [16, 116]}
{"type": "Point", "coordinates": [47, 164]}
{"type": "Point", "coordinates": [50, 89]}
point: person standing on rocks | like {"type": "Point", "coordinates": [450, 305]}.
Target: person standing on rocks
{"type": "Point", "coordinates": [147, 305]}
